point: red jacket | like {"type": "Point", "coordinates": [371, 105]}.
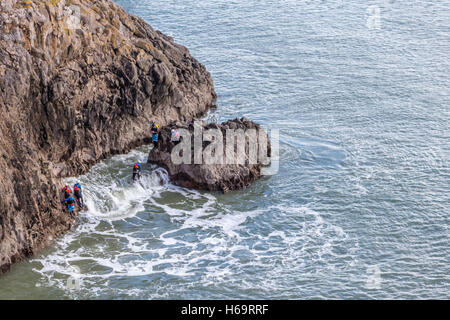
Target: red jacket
{"type": "Point", "coordinates": [67, 189]}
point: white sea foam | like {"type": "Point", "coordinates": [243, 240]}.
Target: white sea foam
{"type": "Point", "coordinates": [199, 236]}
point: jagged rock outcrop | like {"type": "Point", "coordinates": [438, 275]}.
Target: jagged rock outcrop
{"type": "Point", "coordinates": [213, 171]}
{"type": "Point", "coordinates": [79, 80]}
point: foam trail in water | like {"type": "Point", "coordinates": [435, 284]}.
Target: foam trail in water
{"type": "Point", "coordinates": [152, 227]}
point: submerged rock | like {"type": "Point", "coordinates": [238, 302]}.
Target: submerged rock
{"type": "Point", "coordinates": [208, 164]}
{"type": "Point", "coordinates": [79, 81]}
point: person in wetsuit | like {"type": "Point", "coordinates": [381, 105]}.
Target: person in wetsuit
{"type": "Point", "coordinates": [155, 135]}
{"type": "Point", "coordinates": [70, 203]}
{"type": "Point", "coordinates": [176, 137]}
{"type": "Point", "coordinates": [137, 171]}
{"type": "Point", "coordinates": [67, 191]}
{"type": "Point", "coordinates": [78, 193]}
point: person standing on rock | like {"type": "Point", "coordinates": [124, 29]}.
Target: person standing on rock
{"type": "Point", "coordinates": [137, 171]}
{"type": "Point", "coordinates": [155, 134]}
{"type": "Point", "coordinates": [153, 128]}
{"type": "Point", "coordinates": [78, 193]}
{"type": "Point", "coordinates": [70, 203]}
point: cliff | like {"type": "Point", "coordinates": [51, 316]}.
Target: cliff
{"type": "Point", "coordinates": [80, 80]}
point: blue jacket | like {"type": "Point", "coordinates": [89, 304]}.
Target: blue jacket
{"type": "Point", "coordinates": [70, 202]}
{"type": "Point", "coordinates": [75, 187]}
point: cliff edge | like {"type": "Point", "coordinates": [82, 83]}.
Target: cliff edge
{"type": "Point", "coordinates": [80, 80]}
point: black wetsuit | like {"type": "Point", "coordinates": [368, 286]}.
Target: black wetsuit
{"type": "Point", "coordinates": [70, 203]}
{"type": "Point", "coordinates": [66, 192]}
{"type": "Point", "coordinates": [136, 173]}
{"type": "Point", "coordinates": [78, 196]}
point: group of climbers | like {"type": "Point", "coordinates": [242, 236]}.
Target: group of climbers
{"type": "Point", "coordinates": [70, 201]}
{"type": "Point", "coordinates": [154, 129]}
{"type": "Point", "coordinates": [175, 135]}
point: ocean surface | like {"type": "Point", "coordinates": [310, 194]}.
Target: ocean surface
{"type": "Point", "coordinates": [359, 209]}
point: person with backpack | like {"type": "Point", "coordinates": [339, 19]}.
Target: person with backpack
{"type": "Point", "coordinates": [78, 193]}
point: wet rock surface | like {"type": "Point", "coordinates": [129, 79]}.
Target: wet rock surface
{"type": "Point", "coordinates": [221, 175]}
{"type": "Point", "coordinates": [79, 81]}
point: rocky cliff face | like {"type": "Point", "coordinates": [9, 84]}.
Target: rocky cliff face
{"type": "Point", "coordinates": [213, 171]}
{"type": "Point", "coordinates": [79, 80]}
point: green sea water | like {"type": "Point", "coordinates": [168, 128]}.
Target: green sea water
{"type": "Point", "coordinates": [359, 208]}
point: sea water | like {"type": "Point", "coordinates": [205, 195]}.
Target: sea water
{"type": "Point", "coordinates": [359, 208]}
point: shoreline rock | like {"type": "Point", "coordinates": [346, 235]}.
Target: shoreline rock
{"type": "Point", "coordinates": [76, 88]}
{"type": "Point", "coordinates": [219, 176]}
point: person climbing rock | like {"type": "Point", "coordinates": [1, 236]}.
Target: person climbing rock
{"type": "Point", "coordinates": [70, 203]}
{"type": "Point", "coordinates": [67, 191]}
{"type": "Point", "coordinates": [137, 171]}
{"type": "Point", "coordinates": [175, 137]}
{"type": "Point", "coordinates": [78, 193]}
{"type": "Point", "coordinates": [155, 134]}
{"type": "Point", "coordinates": [153, 128]}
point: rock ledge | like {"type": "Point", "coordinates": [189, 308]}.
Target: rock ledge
{"type": "Point", "coordinates": [220, 175]}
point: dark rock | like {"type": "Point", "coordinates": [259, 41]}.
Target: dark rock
{"type": "Point", "coordinates": [71, 95]}
{"type": "Point", "coordinates": [220, 176]}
